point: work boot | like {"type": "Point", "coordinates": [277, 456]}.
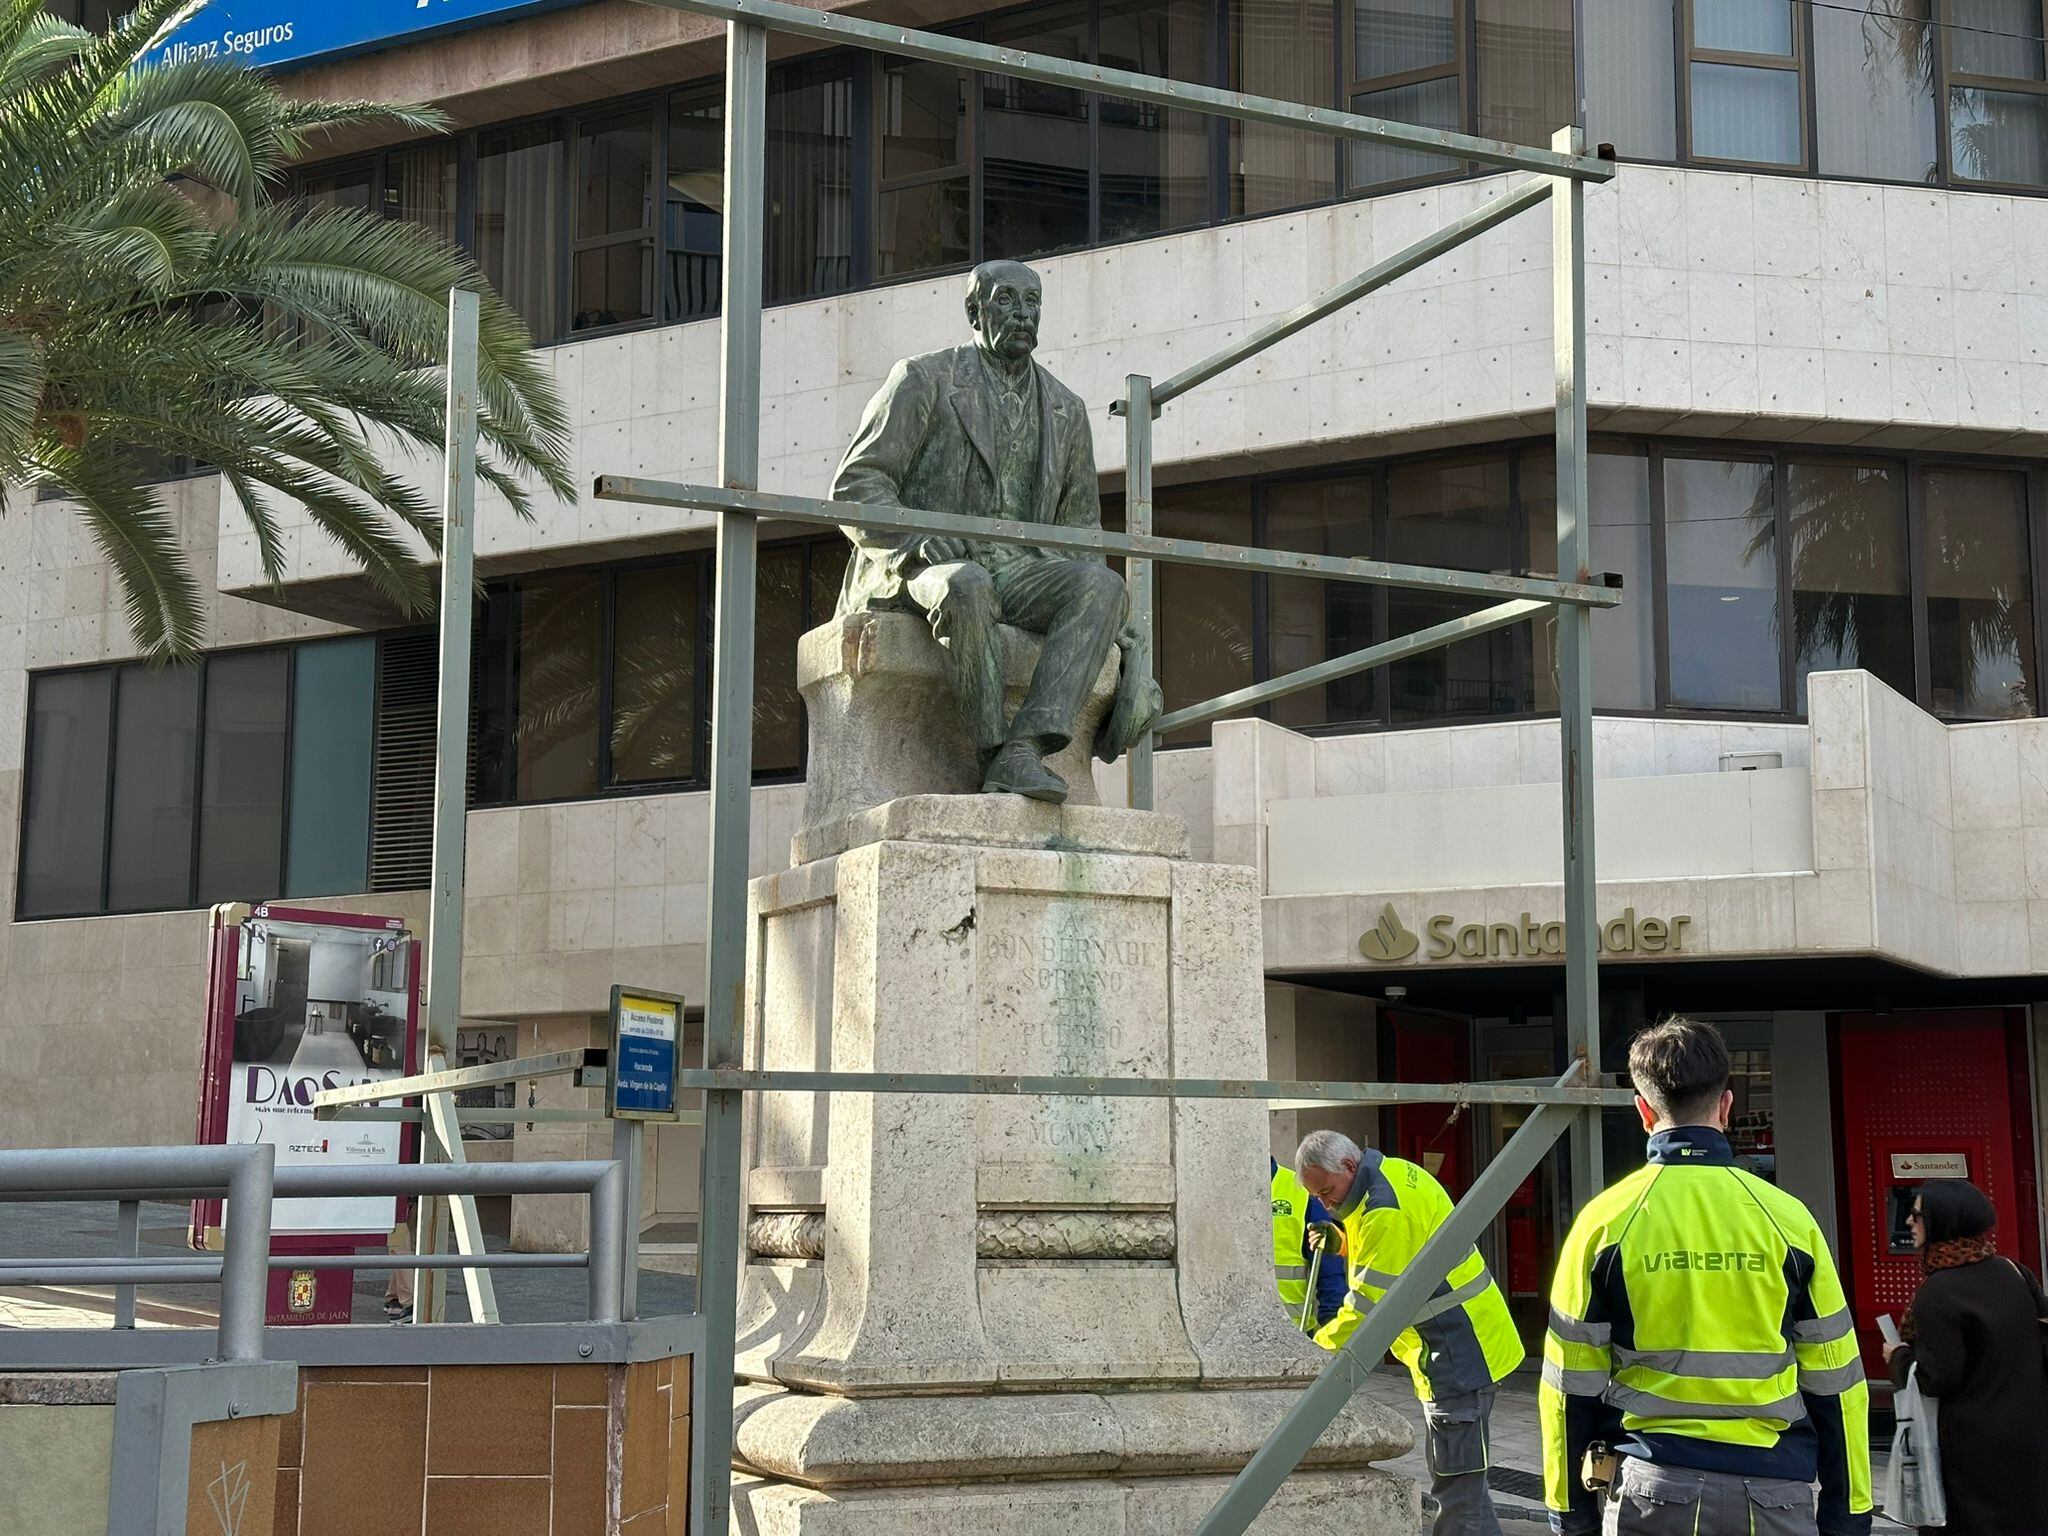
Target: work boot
{"type": "Point", "coordinates": [1017, 770]}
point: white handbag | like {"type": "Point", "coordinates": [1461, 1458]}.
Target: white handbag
{"type": "Point", "coordinates": [1912, 1479]}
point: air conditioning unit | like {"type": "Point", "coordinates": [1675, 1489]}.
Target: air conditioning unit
{"type": "Point", "coordinates": [1749, 762]}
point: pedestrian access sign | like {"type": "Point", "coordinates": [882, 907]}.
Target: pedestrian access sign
{"type": "Point", "coordinates": [647, 1032]}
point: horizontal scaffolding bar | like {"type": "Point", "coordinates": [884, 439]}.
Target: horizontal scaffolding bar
{"type": "Point", "coordinates": [454, 1079]}
{"type": "Point", "coordinates": [1496, 211]}
{"type": "Point", "coordinates": [1487, 619]}
{"type": "Point", "coordinates": [535, 1178]}
{"type": "Point", "coordinates": [1304, 1092]}
{"type": "Point", "coordinates": [557, 1114]}
{"type": "Point", "coordinates": [1604, 591]}
{"type": "Point", "coordinates": [429, 1260]}
{"type": "Point", "coordinates": [838, 27]}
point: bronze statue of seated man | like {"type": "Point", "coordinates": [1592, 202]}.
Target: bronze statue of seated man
{"type": "Point", "coordinates": [985, 431]}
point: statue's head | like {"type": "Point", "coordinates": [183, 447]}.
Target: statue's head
{"type": "Point", "coordinates": [1003, 299]}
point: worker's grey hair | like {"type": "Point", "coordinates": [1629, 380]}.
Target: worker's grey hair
{"type": "Point", "coordinates": [1326, 1150]}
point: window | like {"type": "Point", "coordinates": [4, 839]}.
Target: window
{"type": "Point", "coordinates": [810, 179]}
{"type": "Point", "coordinates": [926, 171]}
{"type": "Point", "coordinates": [1035, 155]}
{"type": "Point", "coordinates": [1404, 64]}
{"type": "Point", "coordinates": [1852, 597]}
{"type": "Point", "coordinates": [1721, 581]}
{"type": "Point", "coordinates": [419, 186]}
{"type": "Point", "coordinates": [1743, 83]}
{"type": "Point", "coordinates": [1997, 92]}
{"type": "Point", "coordinates": [1455, 513]}
{"type": "Point", "coordinates": [156, 742]}
{"type": "Point", "coordinates": [1873, 89]}
{"type": "Point", "coordinates": [1620, 513]}
{"type": "Point", "coordinates": [1203, 626]}
{"type": "Point", "coordinates": [1153, 161]}
{"type": "Point", "coordinates": [519, 221]}
{"type": "Point", "coordinates": [595, 681]}
{"type": "Point", "coordinates": [64, 817]}
{"type": "Point", "coordinates": [612, 268]}
{"type": "Point", "coordinates": [556, 677]}
{"type": "Point", "coordinates": [1308, 621]}
{"type": "Point", "coordinates": [1287, 49]}
{"type": "Point", "coordinates": [1980, 595]}
{"type": "Point", "coordinates": [242, 783]}
{"type": "Point", "coordinates": [658, 632]}
{"type": "Point", "coordinates": [334, 694]}
{"type": "Point", "coordinates": [693, 225]}
{"type": "Point", "coordinates": [1524, 50]}
{"type": "Point", "coordinates": [1631, 79]}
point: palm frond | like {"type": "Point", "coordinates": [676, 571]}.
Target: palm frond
{"type": "Point", "coordinates": [129, 524]}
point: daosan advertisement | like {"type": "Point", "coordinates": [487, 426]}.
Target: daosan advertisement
{"type": "Point", "coordinates": [299, 1002]}
{"type": "Point", "coordinates": [268, 33]}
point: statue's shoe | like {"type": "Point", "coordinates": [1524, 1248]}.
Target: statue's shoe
{"type": "Point", "coordinates": [1017, 770]}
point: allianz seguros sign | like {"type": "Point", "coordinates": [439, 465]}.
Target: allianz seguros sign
{"type": "Point", "coordinates": [1391, 942]}
{"type": "Point", "coordinates": [270, 33]}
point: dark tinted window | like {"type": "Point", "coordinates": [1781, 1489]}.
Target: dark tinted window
{"type": "Point", "coordinates": [63, 844]}
{"type": "Point", "coordinates": [241, 826]}
{"type": "Point", "coordinates": [156, 736]}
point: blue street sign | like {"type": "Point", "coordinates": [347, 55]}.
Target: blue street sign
{"type": "Point", "coordinates": [646, 1027]}
{"type": "Point", "coordinates": [267, 33]}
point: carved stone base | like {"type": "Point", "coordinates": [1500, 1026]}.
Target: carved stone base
{"type": "Point", "coordinates": [1071, 1294]}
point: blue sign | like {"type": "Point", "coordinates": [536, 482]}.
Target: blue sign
{"type": "Point", "coordinates": [645, 1029]}
{"type": "Point", "coordinates": [267, 33]}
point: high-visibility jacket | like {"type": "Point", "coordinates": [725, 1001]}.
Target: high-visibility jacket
{"type": "Point", "coordinates": [1697, 1320]}
{"type": "Point", "coordinates": [1463, 1339]}
{"type": "Point", "coordinates": [1295, 1210]}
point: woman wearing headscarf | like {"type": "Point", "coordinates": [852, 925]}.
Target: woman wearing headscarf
{"type": "Point", "coordinates": [1975, 1331]}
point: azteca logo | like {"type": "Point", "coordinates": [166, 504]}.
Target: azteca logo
{"type": "Point", "coordinates": [1386, 941]}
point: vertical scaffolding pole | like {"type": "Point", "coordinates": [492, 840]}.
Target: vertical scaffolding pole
{"type": "Point", "coordinates": [1138, 414]}
{"type": "Point", "coordinates": [1575, 658]}
{"type": "Point", "coordinates": [441, 1135]}
{"type": "Point", "coordinates": [732, 754]}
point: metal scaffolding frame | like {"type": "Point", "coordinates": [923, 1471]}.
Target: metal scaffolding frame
{"type": "Point", "coordinates": [1571, 1103]}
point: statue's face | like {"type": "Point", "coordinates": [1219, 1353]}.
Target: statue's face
{"type": "Point", "coordinates": [1003, 309]}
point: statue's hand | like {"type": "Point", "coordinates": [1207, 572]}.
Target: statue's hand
{"type": "Point", "coordinates": [940, 550]}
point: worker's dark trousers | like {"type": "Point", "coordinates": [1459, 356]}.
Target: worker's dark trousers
{"type": "Point", "coordinates": [1651, 1500]}
{"type": "Point", "coordinates": [1456, 1451]}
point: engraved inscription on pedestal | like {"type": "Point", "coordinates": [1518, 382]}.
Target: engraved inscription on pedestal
{"type": "Point", "coordinates": [1073, 986]}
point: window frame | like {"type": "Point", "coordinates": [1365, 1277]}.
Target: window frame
{"type": "Point", "coordinates": [1949, 80]}
{"type": "Point", "coordinates": [652, 232]}
{"type": "Point", "coordinates": [1798, 63]}
{"type": "Point", "coordinates": [1462, 67]}
{"type": "Point", "coordinates": [504, 793]}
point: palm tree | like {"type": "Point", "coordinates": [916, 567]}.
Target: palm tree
{"type": "Point", "coordinates": [154, 302]}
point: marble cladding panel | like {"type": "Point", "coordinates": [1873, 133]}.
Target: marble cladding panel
{"type": "Point", "coordinates": [563, 900]}
{"type": "Point", "coordinates": [1733, 300]}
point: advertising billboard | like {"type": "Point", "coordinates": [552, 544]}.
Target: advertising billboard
{"type": "Point", "coordinates": [299, 1001]}
{"type": "Point", "coordinates": [270, 33]}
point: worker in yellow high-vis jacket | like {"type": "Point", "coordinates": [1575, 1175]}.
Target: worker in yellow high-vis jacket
{"type": "Point", "coordinates": [1299, 1221]}
{"type": "Point", "coordinates": [1699, 1330]}
{"type": "Point", "coordinates": [1457, 1347]}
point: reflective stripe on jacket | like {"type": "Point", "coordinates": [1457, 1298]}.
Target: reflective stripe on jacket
{"type": "Point", "coordinates": [1697, 1319]}
{"type": "Point", "coordinates": [1463, 1339]}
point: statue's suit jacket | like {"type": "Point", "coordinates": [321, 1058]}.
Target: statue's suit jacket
{"type": "Point", "coordinates": [928, 441]}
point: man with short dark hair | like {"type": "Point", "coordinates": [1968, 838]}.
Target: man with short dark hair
{"type": "Point", "coordinates": [1699, 1330]}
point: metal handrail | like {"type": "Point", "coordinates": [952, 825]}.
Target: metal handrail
{"type": "Point", "coordinates": [247, 1178]}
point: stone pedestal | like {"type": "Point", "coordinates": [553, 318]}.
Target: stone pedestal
{"type": "Point", "coordinates": [1006, 1314]}
{"type": "Point", "coordinates": [883, 725]}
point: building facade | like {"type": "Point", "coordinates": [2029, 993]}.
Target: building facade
{"type": "Point", "coordinates": [1818, 373]}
